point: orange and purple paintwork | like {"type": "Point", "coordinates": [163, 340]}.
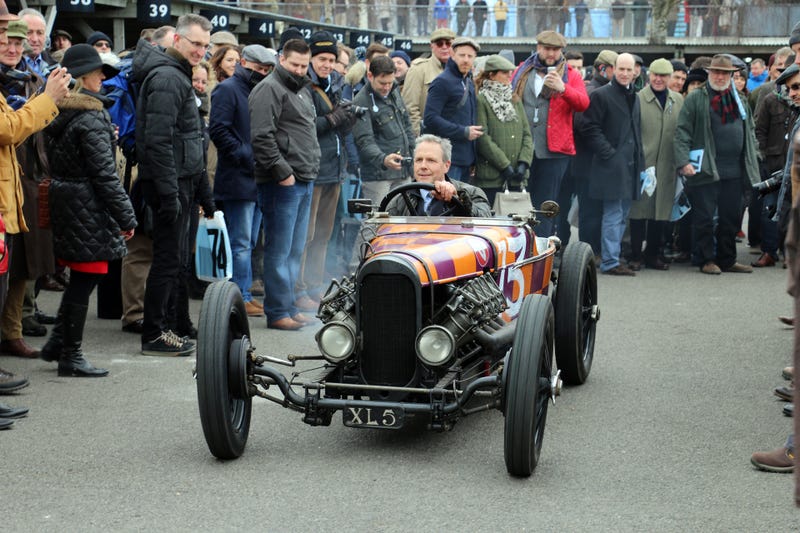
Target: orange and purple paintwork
{"type": "Point", "coordinates": [443, 253]}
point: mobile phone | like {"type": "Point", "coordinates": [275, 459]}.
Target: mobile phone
{"type": "Point", "coordinates": [551, 69]}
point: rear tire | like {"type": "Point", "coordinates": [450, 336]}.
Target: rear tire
{"type": "Point", "coordinates": [576, 313]}
{"type": "Point", "coordinates": [224, 410]}
{"type": "Point", "coordinates": [527, 380]}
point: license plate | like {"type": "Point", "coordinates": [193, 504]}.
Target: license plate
{"type": "Point", "coordinates": [373, 417]}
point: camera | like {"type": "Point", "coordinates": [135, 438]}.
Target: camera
{"type": "Point", "coordinates": [357, 110]}
{"type": "Point", "coordinates": [407, 161]}
{"type": "Point", "coordinates": [772, 184]}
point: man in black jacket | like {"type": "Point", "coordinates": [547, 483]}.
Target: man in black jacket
{"type": "Point", "coordinates": [169, 145]}
{"type": "Point", "coordinates": [612, 129]}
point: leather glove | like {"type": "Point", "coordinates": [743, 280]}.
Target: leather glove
{"type": "Point", "coordinates": [522, 169]}
{"type": "Point", "coordinates": [507, 173]}
{"type": "Point", "coordinates": [169, 210]}
{"type": "Point", "coordinates": [338, 117]}
{"type": "Point", "coordinates": [516, 179]}
{"type": "Point", "coordinates": [208, 210]}
{"type": "Point", "coordinates": [466, 201]}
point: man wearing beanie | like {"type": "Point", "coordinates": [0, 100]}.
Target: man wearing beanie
{"type": "Point", "coordinates": [423, 72]}
{"type": "Point", "coordinates": [283, 126]}
{"type": "Point", "coordinates": [334, 121]}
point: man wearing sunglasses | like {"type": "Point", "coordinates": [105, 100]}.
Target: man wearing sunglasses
{"type": "Point", "coordinates": [423, 72]}
{"type": "Point", "coordinates": [170, 149]}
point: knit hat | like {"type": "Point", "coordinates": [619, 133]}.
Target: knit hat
{"type": "Point", "coordinates": [322, 42]}
{"type": "Point", "coordinates": [99, 36]}
{"type": "Point", "coordinates": [402, 55]}
{"type": "Point", "coordinates": [4, 14]}
{"type": "Point", "coordinates": [288, 34]}
{"type": "Point", "coordinates": [17, 29]}
{"type": "Point", "coordinates": [256, 53]}
{"type": "Point", "coordinates": [81, 59]}
{"type": "Point", "coordinates": [695, 74]}
{"type": "Point", "coordinates": [224, 37]}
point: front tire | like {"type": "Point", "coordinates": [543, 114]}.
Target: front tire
{"type": "Point", "coordinates": [576, 313]}
{"type": "Point", "coordinates": [527, 380]}
{"type": "Point", "coordinates": [224, 408]}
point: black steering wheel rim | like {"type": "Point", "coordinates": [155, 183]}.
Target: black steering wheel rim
{"type": "Point", "coordinates": [454, 202]}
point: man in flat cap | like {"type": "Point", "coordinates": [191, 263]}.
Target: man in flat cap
{"type": "Point", "coordinates": [551, 91]}
{"type": "Point", "coordinates": [452, 108]}
{"type": "Point", "coordinates": [422, 72]}
{"type": "Point", "coordinates": [715, 149]}
{"type": "Point", "coordinates": [234, 184]}
{"type": "Point", "coordinates": [62, 40]}
{"type": "Point", "coordinates": [660, 107]}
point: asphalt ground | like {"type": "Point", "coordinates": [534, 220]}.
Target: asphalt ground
{"type": "Point", "coordinates": [658, 439]}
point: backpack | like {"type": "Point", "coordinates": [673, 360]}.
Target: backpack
{"type": "Point", "coordinates": [123, 92]}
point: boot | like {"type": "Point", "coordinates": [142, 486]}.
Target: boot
{"type": "Point", "coordinates": [183, 320]}
{"type": "Point", "coordinates": [72, 362]}
{"type": "Point", "coordinates": [51, 351]}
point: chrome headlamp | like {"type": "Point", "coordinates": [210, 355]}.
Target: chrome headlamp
{"type": "Point", "coordinates": [336, 341]}
{"type": "Point", "coordinates": [435, 345]}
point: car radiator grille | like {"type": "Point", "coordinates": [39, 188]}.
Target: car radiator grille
{"type": "Point", "coordinates": [388, 326]}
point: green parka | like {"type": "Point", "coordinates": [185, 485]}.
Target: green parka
{"type": "Point", "coordinates": [658, 137]}
{"type": "Point", "coordinates": [694, 132]}
{"type": "Point", "coordinates": [502, 144]}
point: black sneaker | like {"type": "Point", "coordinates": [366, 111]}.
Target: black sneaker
{"type": "Point", "coordinates": [6, 423]}
{"type": "Point", "coordinates": [169, 344]}
{"type": "Point", "coordinates": [10, 383]}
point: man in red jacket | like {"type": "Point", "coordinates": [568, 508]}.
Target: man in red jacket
{"type": "Point", "coordinates": [551, 92]}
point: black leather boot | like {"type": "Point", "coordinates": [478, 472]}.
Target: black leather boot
{"type": "Point", "coordinates": [72, 362]}
{"type": "Point", "coordinates": [51, 351]}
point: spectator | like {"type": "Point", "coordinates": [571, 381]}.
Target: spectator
{"type": "Point", "coordinates": [224, 61]}
{"type": "Point", "coordinates": [100, 41]}
{"type": "Point", "coordinates": [552, 91]}
{"type": "Point", "coordinates": [423, 72]}
{"type": "Point", "coordinates": [281, 108]}
{"type": "Point", "coordinates": [334, 120]}
{"type": "Point", "coordinates": [401, 64]}
{"type": "Point", "coordinates": [219, 39]}
{"type": "Point", "coordinates": [462, 10]}
{"type": "Point", "coordinates": [649, 215]}
{"type": "Point", "coordinates": [431, 162]}
{"type": "Point", "coordinates": [403, 12]}
{"type": "Point", "coordinates": [506, 145]}
{"type": "Point", "coordinates": [61, 40]}
{"type": "Point", "coordinates": [356, 76]}
{"type": "Point", "coordinates": [758, 74]}
{"type": "Point", "coordinates": [612, 129]}
{"type": "Point", "coordinates": [383, 134]}
{"type": "Point", "coordinates": [35, 55]}
{"type": "Point", "coordinates": [711, 121]}
{"type": "Point", "coordinates": [90, 211]}
{"type": "Point", "coordinates": [695, 79]}
{"type": "Point", "coordinates": [500, 17]}
{"type": "Point", "coordinates": [776, 114]}
{"type": "Point", "coordinates": [640, 14]}
{"type": "Point", "coordinates": [581, 10]}
{"type": "Point", "coordinates": [169, 145]}
{"type": "Point", "coordinates": [422, 16]}
{"type": "Point", "coordinates": [441, 12]}
{"type": "Point", "coordinates": [234, 184]}
{"type": "Point", "coordinates": [678, 77]}
{"type": "Point", "coordinates": [777, 65]}
{"type": "Point", "coordinates": [590, 210]}
{"type": "Point", "coordinates": [617, 18]}
{"type": "Point", "coordinates": [451, 108]}
{"type": "Point", "coordinates": [344, 59]}
{"type": "Point", "coordinates": [480, 12]}
{"type": "Point", "coordinates": [34, 250]}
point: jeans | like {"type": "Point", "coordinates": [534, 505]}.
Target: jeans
{"type": "Point", "coordinates": [243, 220]}
{"type": "Point", "coordinates": [544, 184]}
{"type": "Point", "coordinates": [769, 228]}
{"type": "Point", "coordinates": [724, 198]}
{"type": "Point", "coordinates": [286, 210]}
{"type": "Point", "coordinates": [460, 173]}
{"type": "Point", "coordinates": [615, 217]}
{"type": "Point", "coordinates": [590, 216]}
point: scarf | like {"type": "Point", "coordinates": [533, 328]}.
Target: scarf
{"type": "Point", "coordinates": [499, 97]}
{"type": "Point", "coordinates": [533, 63]}
{"type": "Point", "coordinates": [722, 104]}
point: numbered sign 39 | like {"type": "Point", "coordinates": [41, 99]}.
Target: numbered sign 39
{"type": "Point", "coordinates": [154, 11]}
{"type": "Point", "coordinates": [212, 258]}
{"type": "Point", "coordinates": [76, 6]}
{"type": "Point", "coordinates": [219, 19]}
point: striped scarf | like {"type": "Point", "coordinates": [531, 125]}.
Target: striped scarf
{"type": "Point", "coordinates": [723, 104]}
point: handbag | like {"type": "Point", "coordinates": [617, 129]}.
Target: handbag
{"type": "Point", "coordinates": [213, 260]}
{"type": "Point", "coordinates": [508, 203]}
{"type": "Point", "coordinates": [43, 203]}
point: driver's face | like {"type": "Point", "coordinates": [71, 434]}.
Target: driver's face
{"type": "Point", "coordinates": [429, 163]}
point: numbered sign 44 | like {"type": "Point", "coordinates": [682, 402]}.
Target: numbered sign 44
{"type": "Point", "coordinates": [212, 257]}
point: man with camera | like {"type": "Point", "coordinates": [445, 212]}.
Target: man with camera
{"type": "Point", "coordinates": [334, 120]}
{"type": "Point", "coordinates": [383, 133]}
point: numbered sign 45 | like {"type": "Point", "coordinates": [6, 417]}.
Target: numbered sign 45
{"type": "Point", "coordinates": [76, 6]}
{"type": "Point", "coordinates": [212, 257]}
{"type": "Point", "coordinates": [154, 11]}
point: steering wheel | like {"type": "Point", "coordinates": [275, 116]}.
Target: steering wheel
{"type": "Point", "coordinates": [454, 204]}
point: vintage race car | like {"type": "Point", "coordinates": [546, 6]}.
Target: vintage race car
{"type": "Point", "coordinates": [444, 317]}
